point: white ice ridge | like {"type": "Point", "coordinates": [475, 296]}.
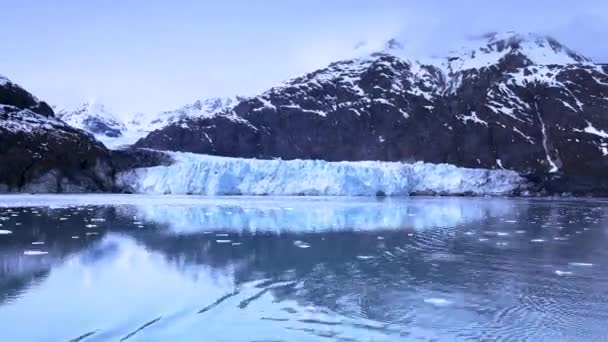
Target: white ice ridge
{"type": "Point", "coordinates": [211, 175]}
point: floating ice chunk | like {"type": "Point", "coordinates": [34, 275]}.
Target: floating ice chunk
{"type": "Point", "coordinates": [537, 240]}
{"type": "Point", "coordinates": [34, 253]}
{"type": "Point", "coordinates": [5, 232]}
{"type": "Point", "coordinates": [438, 301]}
{"type": "Point", "coordinates": [364, 257]}
{"type": "Point", "coordinates": [38, 243]}
{"type": "Point", "coordinates": [301, 244]}
{"type": "Point", "coordinates": [563, 273]}
{"type": "Point", "coordinates": [223, 241]}
{"type": "Point", "coordinates": [580, 264]}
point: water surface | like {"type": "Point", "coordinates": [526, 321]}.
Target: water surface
{"type": "Point", "coordinates": [172, 268]}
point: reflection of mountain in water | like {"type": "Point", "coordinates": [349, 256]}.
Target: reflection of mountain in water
{"type": "Point", "coordinates": [56, 234]}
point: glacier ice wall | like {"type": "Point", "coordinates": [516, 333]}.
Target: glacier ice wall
{"type": "Point", "coordinates": [211, 175]}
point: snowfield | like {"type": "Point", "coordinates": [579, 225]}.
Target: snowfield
{"type": "Point", "coordinates": [211, 175]}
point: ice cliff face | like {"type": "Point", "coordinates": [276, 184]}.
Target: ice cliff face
{"type": "Point", "coordinates": [209, 175]}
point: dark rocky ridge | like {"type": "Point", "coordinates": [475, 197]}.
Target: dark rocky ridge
{"type": "Point", "coordinates": [533, 118]}
{"type": "Point", "coordinates": [40, 153]}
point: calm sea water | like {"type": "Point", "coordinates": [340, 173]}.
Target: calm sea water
{"type": "Point", "coordinates": [115, 268]}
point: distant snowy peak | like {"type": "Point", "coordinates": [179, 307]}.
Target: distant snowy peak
{"type": "Point", "coordinates": [95, 118]}
{"type": "Point", "coordinates": [522, 49]}
{"type": "Point", "coordinates": [204, 107]}
{"type": "Point", "coordinates": [198, 109]}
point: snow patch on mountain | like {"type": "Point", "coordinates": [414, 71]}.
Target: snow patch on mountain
{"type": "Point", "coordinates": [489, 49]}
{"type": "Point", "coordinates": [199, 109]}
{"type": "Point", "coordinates": [211, 175]}
{"type": "Point", "coordinates": [25, 121]}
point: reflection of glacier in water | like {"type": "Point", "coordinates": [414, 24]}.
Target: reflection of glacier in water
{"type": "Point", "coordinates": [303, 269]}
{"type": "Point", "coordinates": [323, 214]}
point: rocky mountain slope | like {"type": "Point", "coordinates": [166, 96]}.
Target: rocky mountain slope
{"type": "Point", "coordinates": [116, 130]}
{"type": "Point", "coordinates": [522, 102]}
{"type": "Point", "coordinates": [39, 152]}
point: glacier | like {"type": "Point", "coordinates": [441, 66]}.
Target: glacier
{"type": "Point", "coordinates": [211, 175]}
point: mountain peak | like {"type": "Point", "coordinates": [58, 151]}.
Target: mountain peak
{"type": "Point", "coordinates": [493, 47]}
{"type": "Point", "coordinates": [94, 117]}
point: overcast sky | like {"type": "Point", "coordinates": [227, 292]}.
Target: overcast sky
{"type": "Point", "coordinates": [148, 55]}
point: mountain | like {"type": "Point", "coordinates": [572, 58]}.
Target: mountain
{"type": "Point", "coordinates": [94, 118]}
{"type": "Point", "coordinates": [521, 102]}
{"type": "Point", "coordinates": [41, 153]}
{"type": "Point", "coordinates": [114, 132]}
{"type": "Point", "coordinates": [201, 108]}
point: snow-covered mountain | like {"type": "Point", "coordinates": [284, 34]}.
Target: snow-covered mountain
{"type": "Point", "coordinates": [116, 130]}
{"type": "Point", "coordinates": [94, 118]}
{"type": "Point", "coordinates": [201, 108]}
{"type": "Point", "coordinates": [492, 48]}
{"type": "Point", "coordinates": [40, 153]}
{"type": "Point", "coordinates": [516, 101]}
